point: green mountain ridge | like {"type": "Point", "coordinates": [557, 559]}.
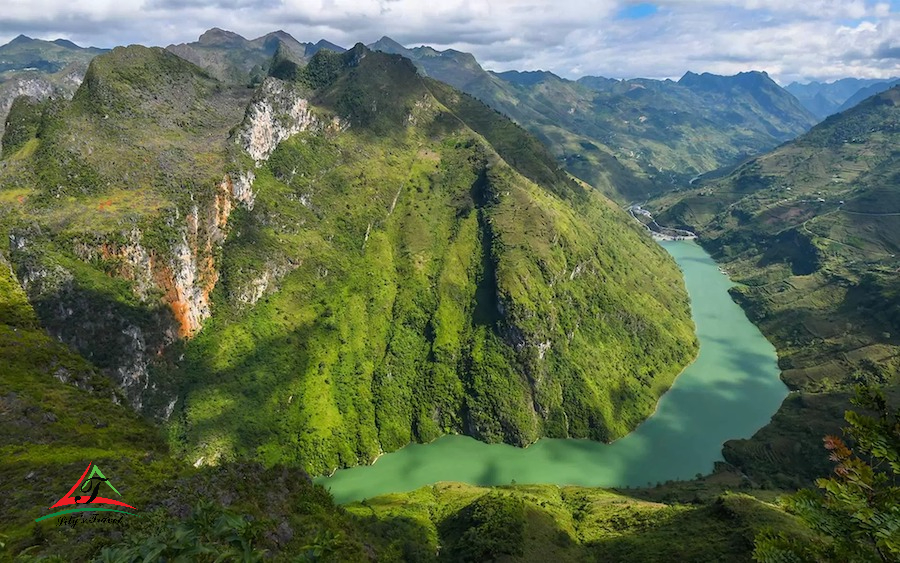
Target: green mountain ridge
{"type": "Point", "coordinates": [810, 232]}
{"type": "Point", "coordinates": [631, 139]}
{"type": "Point", "coordinates": [333, 265]}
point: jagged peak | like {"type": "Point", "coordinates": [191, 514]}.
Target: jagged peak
{"type": "Point", "coordinates": [388, 45]}
{"type": "Point", "coordinates": [322, 44]}
{"type": "Point", "coordinates": [218, 36]}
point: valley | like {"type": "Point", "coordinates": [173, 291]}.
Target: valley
{"type": "Point", "coordinates": [431, 311]}
{"type": "Point", "coordinates": [729, 391]}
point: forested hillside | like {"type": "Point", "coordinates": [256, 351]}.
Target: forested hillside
{"type": "Point", "coordinates": [341, 261]}
{"type": "Point", "coordinates": [811, 231]}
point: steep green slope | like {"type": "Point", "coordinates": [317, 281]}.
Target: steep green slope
{"type": "Point", "coordinates": [373, 258]}
{"type": "Point", "coordinates": [426, 284]}
{"type": "Point", "coordinates": [57, 415]}
{"type": "Point", "coordinates": [811, 230]}
{"type": "Point", "coordinates": [629, 138]}
{"type": "Point", "coordinates": [113, 230]}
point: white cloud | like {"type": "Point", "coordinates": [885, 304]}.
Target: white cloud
{"type": "Point", "coordinates": [791, 39]}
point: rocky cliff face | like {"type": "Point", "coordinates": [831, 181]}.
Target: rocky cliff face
{"type": "Point", "coordinates": [123, 267]}
{"type": "Point", "coordinates": [173, 286]}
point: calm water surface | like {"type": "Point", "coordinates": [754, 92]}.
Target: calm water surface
{"type": "Point", "coordinates": [730, 391]}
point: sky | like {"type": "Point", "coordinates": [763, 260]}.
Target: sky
{"type": "Point", "coordinates": [792, 40]}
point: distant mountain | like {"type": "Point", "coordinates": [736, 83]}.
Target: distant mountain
{"type": "Point", "coordinates": [811, 231]}
{"type": "Point", "coordinates": [824, 99]}
{"type": "Point", "coordinates": [868, 92]}
{"type": "Point", "coordinates": [25, 53]}
{"type": "Point", "coordinates": [40, 69]}
{"type": "Point", "coordinates": [634, 138]}
{"type": "Point", "coordinates": [235, 59]}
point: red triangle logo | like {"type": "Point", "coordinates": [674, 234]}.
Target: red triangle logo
{"type": "Point", "coordinates": [88, 487]}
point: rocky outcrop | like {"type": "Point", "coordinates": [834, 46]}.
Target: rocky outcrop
{"type": "Point", "coordinates": [276, 112]}
{"type": "Point", "coordinates": [172, 289]}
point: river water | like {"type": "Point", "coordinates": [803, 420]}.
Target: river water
{"type": "Point", "coordinates": [731, 390]}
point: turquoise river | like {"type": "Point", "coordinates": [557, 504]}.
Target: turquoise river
{"type": "Point", "coordinates": [730, 391]}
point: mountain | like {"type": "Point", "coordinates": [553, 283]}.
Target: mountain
{"type": "Point", "coordinates": [40, 69]}
{"type": "Point", "coordinates": [232, 58]}
{"type": "Point", "coordinates": [56, 414]}
{"type": "Point", "coordinates": [333, 264]}
{"type": "Point", "coordinates": [824, 99]}
{"type": "Point", "coordinates": [25, 53]}
{"type": "Point", "coordinates": [810, 232]}
{"type": "Point", "coordinates": [632, 138]}
{"type": "Point", "coordinates": [867, 92]}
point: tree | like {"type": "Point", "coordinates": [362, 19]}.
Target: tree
{"type": "Point", "coordinates": [855, 514]}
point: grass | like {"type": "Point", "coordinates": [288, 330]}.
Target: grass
{"type": "Point", "coordinates": [549, 523]}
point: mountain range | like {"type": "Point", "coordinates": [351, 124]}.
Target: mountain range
{"type": "Point", "coordinates": [824, 99]}
{"type": "Point", "coordinates": [234, 264]}
{"type": "Point", "coordinates": [629, 138]}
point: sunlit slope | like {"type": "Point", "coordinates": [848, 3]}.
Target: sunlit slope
{"type": "Point", "coordinates": [435, 273]}
{"type": "Point", "coordinates": [346, 259]}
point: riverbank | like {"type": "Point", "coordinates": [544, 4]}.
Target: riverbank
{"type": "Point", "coordinates": [730, 391]}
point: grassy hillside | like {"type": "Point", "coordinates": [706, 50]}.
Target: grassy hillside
{"type": "Point", "coordinates": [344, 260]}
{"type": "Point", "coordinates": [435, 273]}
{"type": "Point", "coordinates": [549, 523]}
{"type": "Point", "coordinates": [630, 138]}
{"type": "Point", "coordinates": [811, 232]}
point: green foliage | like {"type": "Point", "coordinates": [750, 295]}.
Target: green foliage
{"type": "Point", "coordinates": [22, 124]}
{"type": "Point", "coordinates": [856, 513]}
{"type": "Point", "coordinates": [207, 534]}
{"type": "Point", "coordinates": [493, 527]}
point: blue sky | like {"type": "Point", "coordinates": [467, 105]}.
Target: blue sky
{"type": "Point", "coordinates": [790, 39]}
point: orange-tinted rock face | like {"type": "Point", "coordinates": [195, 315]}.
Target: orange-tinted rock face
{"type": "Point", "coordinates": [187, 273]}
